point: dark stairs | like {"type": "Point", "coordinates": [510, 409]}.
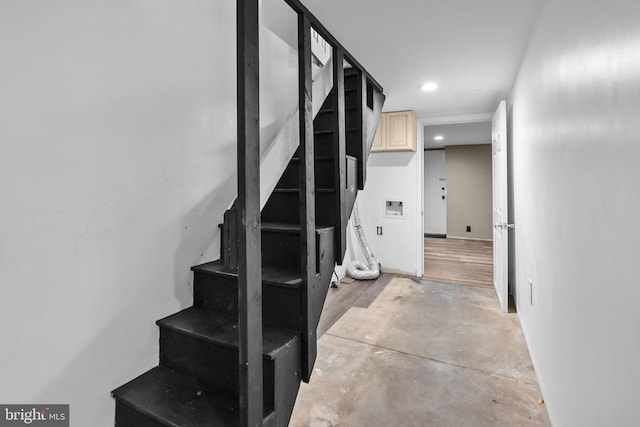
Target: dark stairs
{"type": "Point", "coordinates": [196, 382]}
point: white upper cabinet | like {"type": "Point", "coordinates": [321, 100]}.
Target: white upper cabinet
{"type": "Point", "coordinates": [396, 132]}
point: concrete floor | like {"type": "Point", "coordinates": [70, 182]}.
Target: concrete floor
{"type": "Point", "coordinates": [422, 354]}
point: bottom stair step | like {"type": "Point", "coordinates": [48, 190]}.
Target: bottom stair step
{"type": "Point", "coordinates": [164, 397]}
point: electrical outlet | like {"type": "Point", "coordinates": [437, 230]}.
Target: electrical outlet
{"type": "Point", "coordinates": [530, 292]}
{"type": "Point", "coordinates": [379, 231]}
{"type": "Point", "coordinates": [468, 229]}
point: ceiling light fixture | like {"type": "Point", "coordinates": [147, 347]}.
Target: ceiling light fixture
{"type": "Point", "coordinates": [438, 137]}
{"type": "Point", "coordinates": [429, 87]}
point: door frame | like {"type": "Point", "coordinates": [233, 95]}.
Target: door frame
{"type": "Point", "coordinates": [422, 123]}
{"type": "Point", "coordinates": [500, 205]}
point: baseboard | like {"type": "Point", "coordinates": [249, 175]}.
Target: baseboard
{"type": "Point", "coordinates": [436, 236]}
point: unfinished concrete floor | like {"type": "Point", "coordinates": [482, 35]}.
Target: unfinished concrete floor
{"type": "Point", "coordinates": [421, 354]}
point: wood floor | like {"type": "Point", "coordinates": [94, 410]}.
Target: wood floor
{"type": "Point", "coordinates": [467, 262]}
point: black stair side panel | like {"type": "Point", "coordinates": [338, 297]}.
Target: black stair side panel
{"type": "Point", "coordinates": [353, 121]}
{"type": "Point", "coordinates": [326, 261]}
{"type": "Point", "coordinates": [287, 385]}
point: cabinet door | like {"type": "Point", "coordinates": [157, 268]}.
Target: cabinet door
{"type": "Point", "coordinates": [379, 140]}
{"type": "Point", "coordinates": [401, 131]}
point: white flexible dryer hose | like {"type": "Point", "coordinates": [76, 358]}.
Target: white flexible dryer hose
{"type": "Point", "coordinates": [358, 269]}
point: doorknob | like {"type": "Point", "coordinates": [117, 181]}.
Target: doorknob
{"type": "Point", "coordinates": [504, 225]}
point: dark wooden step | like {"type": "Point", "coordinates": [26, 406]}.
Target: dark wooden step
{"type": "Point", "coordinates": [295, 190]}
{"type": "Point", "coordinates": [322, 145]}
{"type": "Point", "coordinates": [282, 207]}
{"type": "Point", "coordinates": [325, 120]}
{"type": "Point", "coordinates": [323, 172]}
{"type": "Point", "coordinates": [220, 330]}
{"type": "Point", "coordinates": [281, 244]}
{"type": "Point", "coordinates": [204, 344]}
{"type": "Point", "coordinates": [329, 111]}
{"type": "Point", "coordinates": [216, 288]}
{"type": "Point", "coordinates": [165, 397]}
{"type": "Point", "coordinates": [291, 228]}
{"type": "Point", "coordinates": [270, 276]}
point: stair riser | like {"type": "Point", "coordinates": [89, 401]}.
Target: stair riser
{"type": "Point", "coordinates": [323, 144]}
{"type": "Point", "coordinates": [215, 365]}
{"type": "Point", "coordinates": [351, 120]}
{"type": "Point", "coordinates": [281, 250]}
{"type": "Point", "coordinates": [126, 416]}
{"type": "Point", "coordinates": [220, 293]}
{"type": "Point", "coordinates": [324, 175]}
{"type": "Point", "coordinates": [324, 120]}
{"type": "Point", "coordinates": [283, 207]}
{"type": "Point", "coordinates": [351, 99]}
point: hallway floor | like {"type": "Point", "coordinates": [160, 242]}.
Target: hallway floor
{"type": "Point", "coordinates": [465, 261]}
{"type": "Point", "coordinates": [419, 353]}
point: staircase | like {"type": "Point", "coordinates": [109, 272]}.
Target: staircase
{"type": "Point", "coordinates": [197, 380]}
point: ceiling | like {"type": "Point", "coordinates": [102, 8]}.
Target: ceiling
{"type": "Point", "coordinates": [471, 48]}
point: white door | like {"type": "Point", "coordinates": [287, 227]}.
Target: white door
{"type": "Point", "coordinates": [435, 191]}
{"type": "Point", "coordinates": [500, 213]}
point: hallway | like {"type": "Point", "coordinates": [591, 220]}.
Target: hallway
{"type": "Point", "coordinates": [420, 353]}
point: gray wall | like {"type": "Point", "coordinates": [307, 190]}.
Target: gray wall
{"type": "Point", "coordinates": [575, 167]}
{"type": "Point", "coordinates": [468, 173]}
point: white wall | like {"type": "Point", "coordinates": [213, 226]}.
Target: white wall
{"type": "Point", "coordinates": [393, 176]}
{"type": "Point", "coordinates": [575, 158]}
{"type": "Point", "coordinates": [117, 153]}
{"type": "Point", "coordinates": [435, 207]}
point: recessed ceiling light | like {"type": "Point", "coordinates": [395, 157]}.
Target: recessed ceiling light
{"type": "Point", "coordinates": [438, 137]}
{"type": "Point", "coordinates": [429, 86]}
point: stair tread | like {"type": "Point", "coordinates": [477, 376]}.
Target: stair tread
{"type": "Point", "coordinates": [222, 330]}
{"type": "Point", "coordinates": [292, 228]}
{"type": "Point", "coordinates": [316, 158]}
{"type": "Point", "coordinates": [269, 274]}
{"type": "Point", "coordinates": [332, 110]}
{"type": "Point", "coordinates": [295, 190]}
{"type": "Point", "coordinates": [175, 399]}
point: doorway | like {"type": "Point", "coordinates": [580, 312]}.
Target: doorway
{"type": "Point", "coordinates": [458, 246]}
